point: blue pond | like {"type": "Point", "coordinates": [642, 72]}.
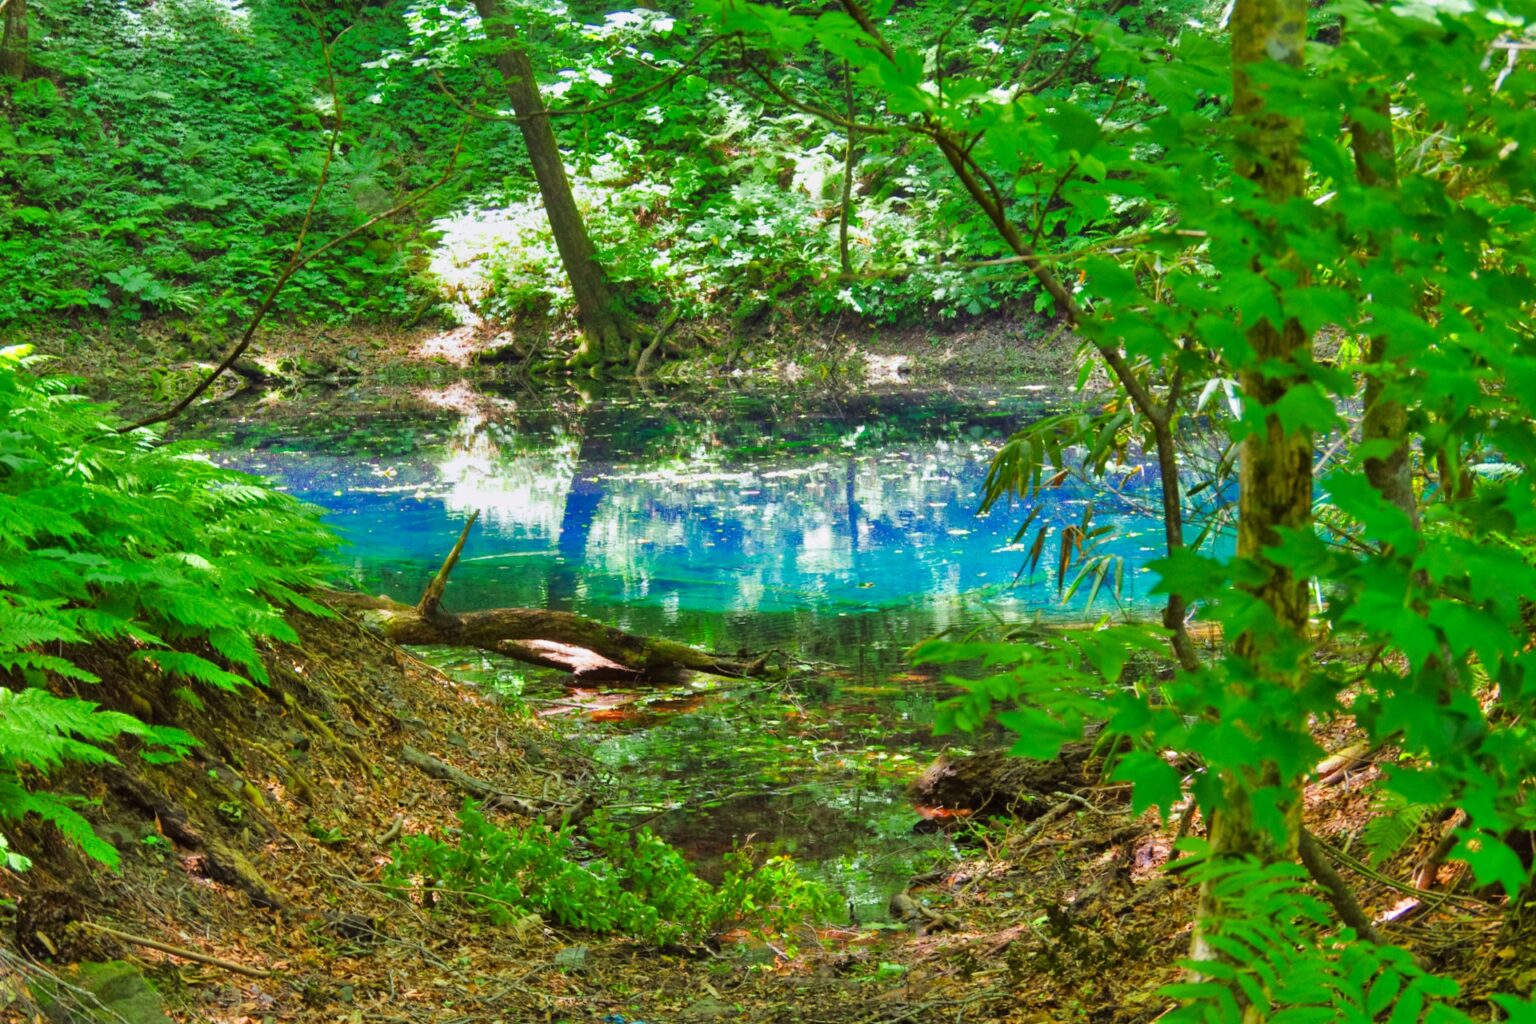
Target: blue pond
{"type": "Point", "coordinates": [682, 512]}
{"type": "Point", "coordinates": [840, 530]}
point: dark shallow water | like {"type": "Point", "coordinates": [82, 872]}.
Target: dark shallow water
{"type": "Point", "coordinates": [840, 530]}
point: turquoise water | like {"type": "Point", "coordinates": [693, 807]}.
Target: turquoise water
{"type": "Point", "coordinates": [670, 510]}
{"type": "Point", "coordinates": [840, 531]}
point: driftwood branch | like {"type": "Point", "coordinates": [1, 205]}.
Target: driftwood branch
{"type": "Point", "coordinates": [431, 601]}
{"type": "Point", "coordinates": [585, 647]}
{"type": "Point", "coordinates": [573, 643]}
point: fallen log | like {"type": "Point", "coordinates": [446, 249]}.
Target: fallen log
{"type": "Point", "coordinates": [996, 782]}
{"type": "Point", "coordinates": [588, 649]}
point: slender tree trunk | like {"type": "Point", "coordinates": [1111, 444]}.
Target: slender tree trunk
{"type": "Point", "coordinates": [1276, 466]}
{"type": "Point", "coordinates": [846, 209]}
{"type": "Point", "coordinates": [13, 40]}
{"type": "Point", "coordinates": [1385, 418]}
{"type": "Point", "coordinates": [603, 320]}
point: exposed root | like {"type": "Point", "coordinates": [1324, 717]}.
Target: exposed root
{"type": "Point", "coordinates": [318, 724]}
{"type": "Point", "coordinates": [492, 796]}
{"type": "Point", "coordinates": [222, 862]}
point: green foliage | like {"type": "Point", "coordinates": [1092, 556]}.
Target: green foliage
{"type": "Point", "coordinates": [625, 881]}
{"type": "Point", "coordinates": [1394, 821]}
{"type": "Point", "coordinates": [1278, 958]}
{"type": "Point", "coordinates": [1203, 247]}
{"type": "Point", "coordinates": [40, 731]}
{"type": "Point", "coordinates": [107, 538]}
{"type": "Point", "coordinates": [163, 163]}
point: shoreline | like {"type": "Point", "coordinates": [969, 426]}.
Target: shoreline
{"type": "Point", "coordinates": [144, 368]}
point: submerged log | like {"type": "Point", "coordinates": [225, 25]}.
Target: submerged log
{"type": "Point", "coordinates": [588, 649]}
{"type": "Point", "coordinates": [995, 782]}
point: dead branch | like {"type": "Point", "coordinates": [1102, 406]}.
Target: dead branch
{"type": "Point", "coordinates": [429, 605]}
{"type": "Point", "coordinates": [586, 648]}
{"type": "Point", "coordinates": [552, 639]}
{"type": "Point", "coordinates": [1337, 890]}
{"type": "Point", "coordinates": [178, 951]}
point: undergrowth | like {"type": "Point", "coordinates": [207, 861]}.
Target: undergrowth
{"type": "Point", "coordinates": [159, 160]}
{"type": "Point", "coordinates": [120, 538]}
{"type": "Point", "coordinates": [622, 881]}
{"type": "Point", "coordinates": [1282, 960]}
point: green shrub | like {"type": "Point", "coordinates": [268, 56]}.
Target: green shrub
{"type": "Point", "coordinates": [1282, 960]}
{"type": "Point", "coordinates": [626, 881]}
{"type": "Point", "coordinates": [108, 537]}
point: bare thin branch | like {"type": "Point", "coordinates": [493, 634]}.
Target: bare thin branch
{"type": "Point", "coordinates": [432, 600]}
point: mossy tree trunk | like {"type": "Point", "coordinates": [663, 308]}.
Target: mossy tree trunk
{"type": "Point", "coordinates": [13, 39]}
{"type": "Point", "coordinates": [607, 337]}
{"type": "Point", "coordinates": [1275, 478]}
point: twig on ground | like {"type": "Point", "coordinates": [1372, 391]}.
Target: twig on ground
{"type": "Point", "coordinates": [178, 951]}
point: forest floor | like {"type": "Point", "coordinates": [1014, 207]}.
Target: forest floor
{"type": "Point", "coordinates": [157, 362]}
{"type": "Point", "coordinates": [266, 851]}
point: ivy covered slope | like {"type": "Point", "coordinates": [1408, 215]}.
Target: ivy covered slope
{"type": "Point", "coordinates": [158, 161]}
{"type": "Point", "coordinates": [115, 540]}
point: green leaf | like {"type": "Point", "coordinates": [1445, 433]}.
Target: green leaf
{"type": "Point", "coordinates": [1492, 860]}
{"type": "Point", "coordinates": [1185, 572]}
{"type": "Point", "coordinates": [1154, 782]}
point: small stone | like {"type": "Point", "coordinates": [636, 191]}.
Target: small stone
{"type": "Point", "coordinates": [708, 1009]}
{"type": "Point", "coordinates": [572, 959]}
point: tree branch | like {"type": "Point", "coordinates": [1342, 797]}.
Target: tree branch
{"type": "Point", "coordinates": [1344, 903]}
{"type": "Point", "coordinates": [294, 266]}
{"type": "Point", "coordinates": [431, 601]}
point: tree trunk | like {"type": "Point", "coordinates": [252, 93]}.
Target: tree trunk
{"type": "Point", "coordinates": [604, 325]}
{"type": "Point", "coordinates": [846, 209]}
{"type": "Point", "coordinates": [1385, 418]}
{"type": "Point", "coordinates": [1275, 479]}
{"type": "Point", "coordinates": [584, 647]}
{"type": "Point", "coordinates": [13, 40]}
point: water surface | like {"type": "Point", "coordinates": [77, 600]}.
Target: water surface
{"type": "Point", "coordinates": [840, 530]}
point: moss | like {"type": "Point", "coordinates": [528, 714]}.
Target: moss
{"type": "Point", "coordinates": [114, 992]}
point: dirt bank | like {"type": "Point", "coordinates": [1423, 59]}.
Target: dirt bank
{"type": "Point", "coordinates": [263, 856]}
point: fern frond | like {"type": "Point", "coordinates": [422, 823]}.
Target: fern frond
{"type": "Point", "coordinates": [1394, 822]}
{"type": "Point", "coordinates": [194, 667]}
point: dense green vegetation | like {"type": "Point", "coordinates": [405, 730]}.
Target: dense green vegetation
{"type": "Point", "coordinates": [1298, 236]}
{"type": "Point", "coordinates": [632, 882]}
{"type": "Point", "coordinates": [167, 179]}
{"type": "Point", "coordinates": [110, 538]}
